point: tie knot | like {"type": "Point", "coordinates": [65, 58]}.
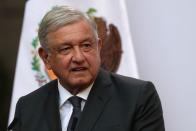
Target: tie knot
{"type": "Point", "coordinates": [75, 101]}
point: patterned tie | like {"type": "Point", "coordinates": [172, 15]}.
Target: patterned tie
{"type": "Point", "coordinates": [76, 103]}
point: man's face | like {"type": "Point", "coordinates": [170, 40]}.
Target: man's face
{"type": "Point", "coordinates": [74, 54]}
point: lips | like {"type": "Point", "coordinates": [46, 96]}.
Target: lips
{"type": "Point", "coordinates": [78, 69]}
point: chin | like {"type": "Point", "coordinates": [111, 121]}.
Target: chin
{"type": "Point", "coordinates": [82, 82]}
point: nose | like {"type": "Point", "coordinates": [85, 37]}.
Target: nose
{"type": "Point", "coordinates": [78, 56]}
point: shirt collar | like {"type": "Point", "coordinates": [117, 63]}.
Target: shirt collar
{"type": "Point", "coordinates": [64, 94]}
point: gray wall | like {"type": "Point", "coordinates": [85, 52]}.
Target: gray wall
{"type": "Point", "coordinates": [164, 39]}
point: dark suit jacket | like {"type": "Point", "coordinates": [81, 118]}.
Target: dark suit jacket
{"type": "Point", "coordinates": [115, 103]}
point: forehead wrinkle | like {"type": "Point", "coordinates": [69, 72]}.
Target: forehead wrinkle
{"type": "Point", "coordinates": [70, 38]}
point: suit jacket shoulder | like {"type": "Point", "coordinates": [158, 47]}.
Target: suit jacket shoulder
{"type": "Point", "coordinates": [131, 87]}
{"type": "Point", "coordinates": [33, 110]}
{"type": "Point", "coordinates": [122, 103]}
{"type": "Point", "coordinates": [38, 97]}
{"type": "Point", "coordinates": [43, 90]}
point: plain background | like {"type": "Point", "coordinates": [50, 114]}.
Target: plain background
{"type": "Point", "coordinates": [164, 37]}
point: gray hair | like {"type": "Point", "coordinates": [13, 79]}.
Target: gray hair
{"type": "Point", "coordinates": [61, 16]}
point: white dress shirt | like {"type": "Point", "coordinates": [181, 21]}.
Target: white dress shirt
{"type": "Point", "coordinates": [65, 107]}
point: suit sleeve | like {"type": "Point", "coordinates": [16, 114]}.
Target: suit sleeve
{"type": "Point", "coordinates": [15, 125]}
{"type": "Point", "coordinates": [149, 114]}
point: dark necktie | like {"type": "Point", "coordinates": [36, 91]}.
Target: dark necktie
{"type": "Point", "coordinates": [76, 103]}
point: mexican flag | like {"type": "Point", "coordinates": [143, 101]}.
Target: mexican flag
{"type": "Point", "coordinates": [117, 54]}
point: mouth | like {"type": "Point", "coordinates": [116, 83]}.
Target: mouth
{"type": "Point", "coordinates": [78, 69]}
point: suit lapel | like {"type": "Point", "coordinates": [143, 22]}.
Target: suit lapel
{"type": "Point", "coordinates": [51, 108]}
{"type": "Point", "coordinates": [97, 100]}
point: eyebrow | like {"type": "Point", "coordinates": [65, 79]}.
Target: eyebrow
{"type": "Point", "coordinates": [88, 39]}
{"type": "Point", "coordinates": [84, 40]}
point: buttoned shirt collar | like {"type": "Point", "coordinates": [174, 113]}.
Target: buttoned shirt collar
{"type": "Point", "coordinates": [64, 94]}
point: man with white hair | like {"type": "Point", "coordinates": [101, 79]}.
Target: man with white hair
{"type": "Point", "coordinates": [84, 97]}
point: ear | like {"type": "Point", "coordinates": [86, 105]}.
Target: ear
{"type": "Point", "coordinates": [45, 57]}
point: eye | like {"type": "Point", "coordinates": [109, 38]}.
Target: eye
{"type": "Point", "coordinates": [86, 46]}
{"type": "Point", "coordinates": [64, 50]}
